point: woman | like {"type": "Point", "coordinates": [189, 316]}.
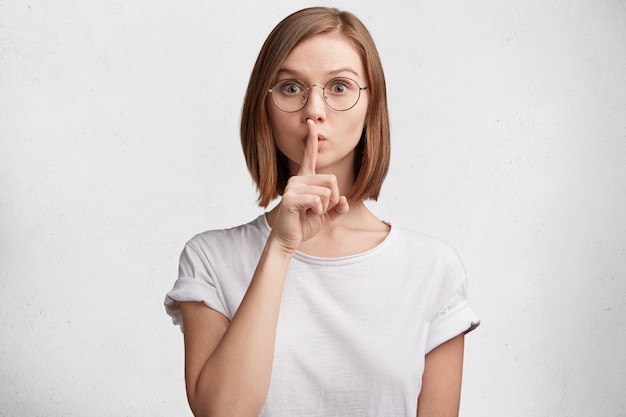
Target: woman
{"type": "Point", "coordinates": [318, 308]}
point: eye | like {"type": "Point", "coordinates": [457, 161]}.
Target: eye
{"type": "Point", "coordinates": [290, 87]}
{"type": "Point", "coordinates": [339, 86]}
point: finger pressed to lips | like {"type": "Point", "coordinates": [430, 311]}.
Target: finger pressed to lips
{"type": "Point", "coordinates": [309, 158]}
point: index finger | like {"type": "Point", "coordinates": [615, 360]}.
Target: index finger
{"type": "Point", "coordinates": [309, 158]}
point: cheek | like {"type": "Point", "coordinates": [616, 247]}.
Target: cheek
{"type": "Point", "coordinates": [358, 114]}
{"type": "Point", "coordinates": [283, 132]}
{"type": "Point", "coordinates": [277, 126]}
{"type": "Point", "coordinates": [357, 122]}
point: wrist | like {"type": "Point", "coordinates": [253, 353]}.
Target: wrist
{"type": "Point", "coordinates": [277, 246]}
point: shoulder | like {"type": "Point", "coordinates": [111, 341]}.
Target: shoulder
{"type": "Point", "coordinates": [242, 236]}
{"type": "Point", "coordinates": [424, 245]}
{"type": "Point", "coordinates": [439, 264]}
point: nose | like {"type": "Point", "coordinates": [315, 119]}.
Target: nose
{"type": "Point", "coordinates": [316, 105]}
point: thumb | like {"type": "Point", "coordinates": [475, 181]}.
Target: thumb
{"type": "Point", "coordinates": [341, 208]}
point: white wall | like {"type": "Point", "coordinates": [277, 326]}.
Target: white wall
{"type": "Point", "coordinates": [119, 135]}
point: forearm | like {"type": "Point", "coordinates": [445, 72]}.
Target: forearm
{"type": "Point", "coordinates": [235, 378]}
{"type": "Point", "coordinates": [441, 383]}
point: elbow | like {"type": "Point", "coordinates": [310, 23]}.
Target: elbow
{"type": "Point", "coordinates": [217, 408]}
{"type": "Point", "coordinates": [221, 413]}
{"type": "Point", "coordinates": [225, 399]}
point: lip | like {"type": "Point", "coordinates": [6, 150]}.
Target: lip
{"type": "Point", "coordinates": [321, 141]}
{"type": "Point", "coordinates": [320, 138]}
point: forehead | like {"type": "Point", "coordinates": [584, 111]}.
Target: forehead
{"type": "Point", "coordinates": [324, 55]}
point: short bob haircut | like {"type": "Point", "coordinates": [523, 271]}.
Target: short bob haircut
{"type": "Point", "coordinates": [267, 165]}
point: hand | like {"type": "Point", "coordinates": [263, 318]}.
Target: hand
{"type": "Point", "coordinates": [310, 202]}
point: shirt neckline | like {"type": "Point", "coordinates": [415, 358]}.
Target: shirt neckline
{"type": "Point", "coordinates": [306, 258]}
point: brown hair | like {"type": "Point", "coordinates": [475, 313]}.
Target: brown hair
{"type": "Point", "coordinates": [267, 165]}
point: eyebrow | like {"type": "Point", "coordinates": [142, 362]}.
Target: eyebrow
{"type": "Point", "coordinates": [294, 73]}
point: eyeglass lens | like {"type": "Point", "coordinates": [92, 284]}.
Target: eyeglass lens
{"type": "Point", "coordinates": [339, 93]}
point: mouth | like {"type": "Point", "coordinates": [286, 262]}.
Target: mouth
{"type": "Point", "coordinates": [320, 138]}
{"type": "Point", "coordinates": [321, 141]}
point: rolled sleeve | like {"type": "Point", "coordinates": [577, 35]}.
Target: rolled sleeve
{"type": "Point", "coordinates": [196, 282]}
{"type": "Point", "coordinates": [456, 317]}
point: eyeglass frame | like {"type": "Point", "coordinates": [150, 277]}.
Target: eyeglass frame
{"type": "Point", "coordinates": [308, 95]}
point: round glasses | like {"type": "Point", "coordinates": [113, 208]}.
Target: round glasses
{"type": "Point", "coordinates": [340, 94]}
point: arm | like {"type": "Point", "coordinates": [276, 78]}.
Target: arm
{"type": "Point", "coordinates": [228, 364]}
{"type": "Point", "coordinates": [441, 384]}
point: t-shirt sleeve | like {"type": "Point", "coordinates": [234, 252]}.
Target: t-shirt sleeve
{"type": "Point", "coordinates": [196, 282]}
{"type": "Point", "coordinates": [454, 315]}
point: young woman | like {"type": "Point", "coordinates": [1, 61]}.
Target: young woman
{"type": "Point", "coordinates": [318, 308]}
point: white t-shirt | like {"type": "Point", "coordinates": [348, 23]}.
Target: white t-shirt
{"type": "Point", "coordinates": [353, 331]}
